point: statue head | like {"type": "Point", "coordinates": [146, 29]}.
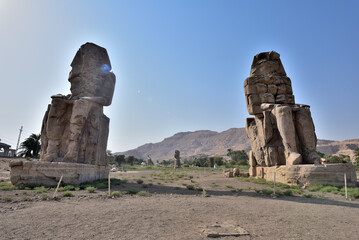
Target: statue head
{"type": "Point", "coordinates": [267, 63]}
{"type": "Point", "coordinates": [91, 74]}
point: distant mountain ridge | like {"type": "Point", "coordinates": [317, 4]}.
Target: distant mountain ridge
{"type": "Point", "coordinates": [213, 143]}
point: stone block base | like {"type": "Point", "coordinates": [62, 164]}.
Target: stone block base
{"type": "Point", "coordinates": [49, 173]}
{"type": "Point", "coordinates": [309, 174]}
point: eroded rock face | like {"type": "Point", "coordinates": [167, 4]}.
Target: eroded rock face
{"type": "Point", "coordinates": [74, 127]}
{"type": "Point", "coordinates": [281, 132]}
{"type": "Point", "coordinates": [177, 157]}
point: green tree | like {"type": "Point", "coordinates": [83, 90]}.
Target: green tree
{"type": "Point", "coordinates": [130, 160]}
{"type": "Point", "coordinates": [238, 157]}
{"type": "Point", "coordinates": [218, 160]}
{"type": "Point", "coordinates": [120, 159]}
{"type": "Point", "coordinates": [31, 146]}
{"type": "Point", "coordinates": [356, 158]}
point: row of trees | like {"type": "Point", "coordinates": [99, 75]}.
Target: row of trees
{"type": "Point", "coordinates": [118, 160]}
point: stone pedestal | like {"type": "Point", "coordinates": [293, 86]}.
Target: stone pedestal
{"type": "Point", "coordinates": [49, 173]}
{"type": "Point", "coordinates": [309, 174]}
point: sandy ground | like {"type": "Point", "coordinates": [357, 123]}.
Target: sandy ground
{"type": "Point", "coordinates": [174, 212]}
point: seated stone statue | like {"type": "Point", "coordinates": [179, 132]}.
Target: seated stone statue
{"type": "Point", "coordinates": [281, 132]}
{"type": "Point", "coordinates": [74, 127]}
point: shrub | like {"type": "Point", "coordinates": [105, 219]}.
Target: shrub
{"type": "Point", "coordinates": [131, 191]}
{"type": "Point", "coordinates": [67, 194]}
{"type": "Point", "coordinates": [332, 189]}
{"type": "Point", "coordinates": [353, 192]}
{"type": "Point", "coordinates": [44, 196]}
{"type": "Point", "coordinates": [229, 186]}
{"type": "Point", "coordinates": [7, 199]}
{"type": "Point", "coordinates": [186, 165]}
{"type": "Point", "coordinates": [143, 193]}
{"type": "Point", "coordinates": [177, 188]}
{"type": "Point", "coordinates": [139, 181]}
{"type": "Point", "coordinates": [190, 187]}
{"type": "Point", "coordinates": [26, 198]}
{"type": "Point", "coordinates": [7, 186]}
{"type": "Point", "coordinates": [199, 189]}
{"type": "Point", "coordinates": [288, 193]}
{"type": "Point", "coordinates": [91, 189]}
{"type": "Point", "coordinates": [267, 191]}
{"type": "Point", "coordinates": [116, 194]}
{"type": "Point", "coordinates": [68, 188]}
{"type": "Point", "coordinates": [41, 189]}
{"type": "Point", "coordinates": [239, 189]}
{"type": "Point", "coordinates": [308, 195]}
{"type": "Point", "coordinates": [144, 185]}
{"type": "Point", "coordinates": [257, 190]}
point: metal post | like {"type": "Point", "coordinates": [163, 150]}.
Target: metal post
{"type": "Point", "coordinates": [109, 184]}
{"type": "Point", "coordinates": [18, 140]}
{"type": "Point", "coordinates": [345, 185]}
{"type": "Point", "coordinates": [274, 183]}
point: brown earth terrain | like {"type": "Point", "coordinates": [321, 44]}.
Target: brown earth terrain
{"type": "Point", "coordinates": [216, 144]}
{"type": "Point", "coordinates": [171, 211]}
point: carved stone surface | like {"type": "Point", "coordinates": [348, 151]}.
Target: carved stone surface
{"type": "Point", "coordinates": [49, 173]}
{"type": "Point", "coordinates": [177, 162]}
{"type": "Point", "coordinates": [282, 132]}
{"type": "Point", "coordinates": [74, 128]}
{"type": "Point", "coordinates": [309, 174]}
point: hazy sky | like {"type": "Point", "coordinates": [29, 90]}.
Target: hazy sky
{"type": "Point", "coordinates": [180, 65]}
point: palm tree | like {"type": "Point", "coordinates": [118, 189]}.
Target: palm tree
{"type": "Point", "coordinates": [31, 146]}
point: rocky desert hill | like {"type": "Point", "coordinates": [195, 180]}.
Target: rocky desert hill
{"type": "Point", "coordinates": [216, 144]}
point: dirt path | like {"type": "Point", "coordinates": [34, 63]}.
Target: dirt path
{"type": "Point", "coordinates": [163, 216]}
{"type": "Point", "coordinates": [174, 212]}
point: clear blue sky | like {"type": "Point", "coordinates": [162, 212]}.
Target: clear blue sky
{"type": "Point", "coordinates": [180, 65]}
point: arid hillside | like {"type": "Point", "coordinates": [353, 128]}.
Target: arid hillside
{"type": "Point", "coordinates": [216, 143]}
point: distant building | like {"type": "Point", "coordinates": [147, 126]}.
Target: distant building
{"type": "Point", "coordinates": [5, 150]}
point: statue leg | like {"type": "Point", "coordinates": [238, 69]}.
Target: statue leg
{"type": "Point", "coordinates": [78, 119]}
{"type": "Point", "coordinates": [286, 129]}
{"type": "Point", "coordinates": [306, 134]}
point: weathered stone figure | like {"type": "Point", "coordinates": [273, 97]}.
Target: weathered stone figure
{"type": "Point", "coordinates": [281, 132]}
{"type": "Point", "coordinates": [149, 161]}
{"type": "Point", "coordinates": [177, 163]}
{"type": "Point", "coordinates": [74, 127]}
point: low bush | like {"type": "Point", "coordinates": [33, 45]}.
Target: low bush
{"type": "Point", "coordinates": [267, 191]}
{"type": "Point", "coordinates": [67, 194]}
{"type": "Point", "coordinates": [143, 193]}
{"type": "Point", "coordinates": [139, 181]}
{"type": "Point", "coordinates": [144, 185]}
{"type": "Point", "coordinates": [132, 191]}
{"type": "Point", "coordinates": [7, 199]}
{"type": "Point", "coordinates": [190, 187]}
{"type": "Point", "coordinates": [41, 189]}
{"type": "Point", "coordinates": [314, 188]}
{"type": "Point", "coordinates": [44, 196]}
{"type": "Point", "coordinates": [288, 193]}
{"type": "Point", "coordinates": [26, 198]}
{"type": "Point", "coordinates": [115, 193]}
{"type": "Point", "coordinates": [7, 186]}
{"type": "Point", "coordinates": [91, 189]}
